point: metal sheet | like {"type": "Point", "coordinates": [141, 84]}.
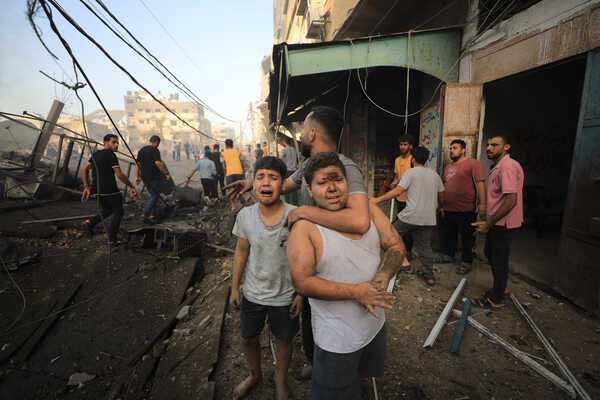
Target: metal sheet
{"type": "Point", "coordinates": [435, 53]}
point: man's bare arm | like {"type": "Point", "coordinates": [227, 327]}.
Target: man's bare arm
{"type": "Point", "coordinates": [354, 218]}
{"type": "Point", "coordinates": [302, 260]}
{"type": "Point", "coordinates": [85, 176]}
{"type": "Point", "coordinates": [481, 194]}
{"type": "Point", "coordinates": [397, 191]}
{"type": "Point", "coordinates": [122, 177]}
{"type": "Point", "coordinates": [289, 186]}
{"type": "Point", "coordinates": [508, 203]}
{"type": "Point", "coordinates": [242, 250]}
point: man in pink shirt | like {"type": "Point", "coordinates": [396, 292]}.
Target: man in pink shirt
{"type": "Point", "coordinates": [504, 214]}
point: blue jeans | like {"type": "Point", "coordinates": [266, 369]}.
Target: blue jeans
{"type": "Point", "coordinates": [150, 209]}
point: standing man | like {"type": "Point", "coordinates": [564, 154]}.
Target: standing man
{"type": "Point", "coordinates": [186, 148]}
{"type": "Point", "coordinates": [464, 181]}
{"type": "Point", "coordinates": [174, 150]}
{"type": "Point", "coordinates": [504, 215]}
{"type": "Point", "coordinates": [234, 171]}
{"type": "Point", "coordinates": [178, 149]}
{"type": "Point", "coordinates": [401, 165]}
{"type": "Point", "coordinates": [258, 153]}
{"type": "Point", "coordinates": [105, 166]}
{"type": "Point", "coordinates": [216, 157]}
{"type": "Point", "coordinates": [150, 169]}
{"type": "Point", "coordinates": [289, 156]}
{"type": "Point", "coordinates": [424, 193]}
{"type": "Point", "coordinates": [208, 173]}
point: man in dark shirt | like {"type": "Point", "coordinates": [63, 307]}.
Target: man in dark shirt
{"type": "Point", "coordinates": [150, 169]}
{"type": "Point", "coordinates": [216, 157]}
{"type": "Point", "coordinates": [259, 152]}
{"type": "Point", "coordinates": [105, 166]}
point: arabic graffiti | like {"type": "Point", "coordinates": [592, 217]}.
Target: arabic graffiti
{"type": "Point", "coordinates": [430, 134]}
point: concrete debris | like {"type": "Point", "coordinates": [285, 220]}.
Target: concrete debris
{"type": "Point", "coordinates": [79, 378]}
{"type": "Point", "coordinates": [184, 312]}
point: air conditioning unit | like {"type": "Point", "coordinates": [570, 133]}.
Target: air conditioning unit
{"type": "Point", "coordinates": [315, 23]}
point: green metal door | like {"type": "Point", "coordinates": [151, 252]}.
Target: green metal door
{"type": "Point", "coordinates": [578, 275]}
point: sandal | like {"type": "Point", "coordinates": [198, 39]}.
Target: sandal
{"type": "Point", "coordinates": [427, 278]}
{"type": "Point", "coordinates": [486, 302]}
{"type": "Point", "coordinates": [464, 268]}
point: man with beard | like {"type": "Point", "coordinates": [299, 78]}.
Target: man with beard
{"type": "Point", "coordinates": [401, 165]}
{"type": "Point", "coordinates": [504, 215]}
{"type": "Point", "coordinates": [464, 181]}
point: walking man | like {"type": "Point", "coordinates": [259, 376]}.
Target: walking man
{"type": "Point", "coordinates": [186, 148]}
{"type": "Point", "coordinates": [504, 215]}
{"type": "Point", "coordinates": [216, 157]}
{"type": "Point", "coordinates": [424, 193]}
{"type": "Point", "coordinates": [105, 166]}
{"type": "Point", "coordinates": [340, 274]}
{"type": "Point", "coordinates": [150, 169]}
{"type": "Point", "coordinates": [234, 171]}
{"type": "Point", "coordinates": [208, 173]}
{"type": "Point", "coordinates": [258, 153]}
{"type": "Point", "coordinates": [401, 165]}
{"type": "Point", "coordinates": [464, 181]}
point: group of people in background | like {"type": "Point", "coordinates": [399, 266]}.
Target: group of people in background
{"type": "Point", "coordinates": [320, 262]}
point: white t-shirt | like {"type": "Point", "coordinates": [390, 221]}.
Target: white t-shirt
{"type": "Point", "coordinates": [422, 186]}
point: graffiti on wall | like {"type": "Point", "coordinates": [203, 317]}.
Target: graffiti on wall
{"type": "Point", "coordinates": [430, 134]}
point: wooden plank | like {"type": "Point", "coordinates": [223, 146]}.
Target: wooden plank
{"type": "Point", "coordinates": [437, 328]}
{"type": "Point", "coordinates": [41, 221]}
{"type": "Point", "coordinates": [460, 328]}
{"type": "Point", "coordinates": [553, 354]}
{"type": "Point", "coordinates": [48, 323]}
{"type": "Point", "coordinates": [534, 365]}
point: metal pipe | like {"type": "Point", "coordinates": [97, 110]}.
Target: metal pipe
{"type": "Point", "coordinates": [437, 328]}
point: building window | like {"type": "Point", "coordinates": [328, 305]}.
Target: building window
{"type": "Point", "coordinates": [147, 110]}
{"type": "Point", "coordinates": [129, 101]}
{"type": "Point", "coordinates": [185, 110]}
{"type": "Point", "coordinates": [173, 123]}
{"type": "Point", "coordinates": [157, 110]}
{"type": "Point", "coordinates": [130, 114]}
{"type": "Point", "coordinates": [141, 121]}
{"type": "Point", "coordinates": [140, 109]}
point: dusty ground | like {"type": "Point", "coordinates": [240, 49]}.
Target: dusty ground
{"type": "Point", "coordinates": [122, 305]}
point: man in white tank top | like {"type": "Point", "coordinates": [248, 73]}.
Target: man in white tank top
{"type": "Point", "coordinates": [340, 274]}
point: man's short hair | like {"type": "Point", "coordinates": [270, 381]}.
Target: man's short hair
{"type": "Point", "coordinates": [420, 154]}
{"type": "Point", "coordinates": [216, 146]}
{"type": "Point", "coordinates": [206, 148]}
{"type": "Point", "coordinates": [330, 120]}
{"type": "Point", "coordinates": [109, 136]}
{"type": "Point", "coordinates": [406, 139]}
{"type": "Point", "coordinates": [505, 138]}
{"type": "Point", "coordinates": [258, 145]}
{"type": "Point", "coordinates": [228, 143]}
{"type": "Point", "coordinates": [320, 161]}
{"type": "Point", "coordinates": [154, 139]}
{"type": "Point", "coordinates": [272, 163]}
{"type": "Point", "coordinates": [460, 142]}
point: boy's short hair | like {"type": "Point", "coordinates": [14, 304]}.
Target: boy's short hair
{"type": "Point", "coordinates": [216, 146]}
{"type": "Point", "coordinates": [154, 139]}
{"type": "Point", "coordinates": [272, 163]}
{"type": "Point", "coordinates": [228, 143]}
{"type": "Point", "coordinates": [320, 161]}
{"type": "Point", "coordinates": [406, 139]}
{"type": "Point", "coordinates": [420, 154]}
{"type": "Point", "coordinates": [110, 136]}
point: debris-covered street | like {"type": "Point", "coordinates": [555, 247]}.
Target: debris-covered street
{"type": "Point", "coordinates": [300, 199]}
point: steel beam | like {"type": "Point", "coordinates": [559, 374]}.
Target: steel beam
{"type": "Point", "coordinates": [44, 137]}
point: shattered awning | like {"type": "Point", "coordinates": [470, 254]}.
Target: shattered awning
{"type": "Point", "coordinates": [303, 72]}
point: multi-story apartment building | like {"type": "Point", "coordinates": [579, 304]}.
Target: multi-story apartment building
{"type": "Point", "coordinates": [468, 69]}
{"type": "Point", "coordinates": [145, 116]}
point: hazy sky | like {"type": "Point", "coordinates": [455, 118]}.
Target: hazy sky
{"type": "Point", "coordinates": [226, 40]}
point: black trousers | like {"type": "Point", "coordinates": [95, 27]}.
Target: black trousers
{"type": "Point", "coordinates": [497, 250]}
{"type": "Point", "coordinates": [220, 181]}
{"type": "Point", "coordinates": [406, 238]}
{"type": "Point", "coordinates": [110, 205]}
{"type": "Point", "coordinates": [308, 342]}
{"type": "Point", "coordinates": [210, 187]}
{"type": "Point", "coordinates": [453, 223]}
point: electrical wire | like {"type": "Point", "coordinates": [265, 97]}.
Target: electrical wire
{"type": "Point", "coordinates": [184, 89]}
{"type": "Point", "coordinates": [73, 23]}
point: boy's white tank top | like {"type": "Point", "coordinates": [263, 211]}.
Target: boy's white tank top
{"type": "Point", "coordinates": [345, 326]}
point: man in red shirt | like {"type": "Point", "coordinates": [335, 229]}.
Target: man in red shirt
{"type": "Point", "coordinates": [504, 215]}
{"type": "Point", "coordinates": [464, 181]}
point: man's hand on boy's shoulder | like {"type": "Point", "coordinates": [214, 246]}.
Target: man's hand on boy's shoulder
{"type": "Point", "coordinates": [296, 307]}
{"type": "Point", "coordinates": [235, 299]}
{"type": "Point", "coordinates": [296, 215]}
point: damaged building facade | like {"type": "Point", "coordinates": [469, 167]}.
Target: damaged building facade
{"type": "Point", "coordinates": [442, 70]}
